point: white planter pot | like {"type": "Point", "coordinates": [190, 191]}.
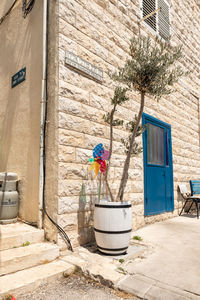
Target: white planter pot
{"type": "Point", "coordinates": [112, 226]}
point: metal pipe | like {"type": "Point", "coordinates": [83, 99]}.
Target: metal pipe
{"type": "Point", "coordinates": [43, 113]}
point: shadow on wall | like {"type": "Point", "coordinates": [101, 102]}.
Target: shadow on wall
{"type": "Point", "coordinates": [85, 218]}
{"type": "Point", "coordinates": [16, 52]}
{"type": "Point", "coordinates": [87, 200]}
{"type": "Point", "coordinates": [8, 107]}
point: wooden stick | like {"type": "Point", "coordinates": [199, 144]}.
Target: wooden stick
{"type": "Point", "coordinates": [100, 187]}
{"type": "Point", "coordinates": [149, 15]}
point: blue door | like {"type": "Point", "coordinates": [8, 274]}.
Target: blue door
{"type": "Point", "coordinates": [158, 168]}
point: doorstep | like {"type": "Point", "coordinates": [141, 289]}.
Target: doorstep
{"type": "Point", "coordinates": [108, 270]}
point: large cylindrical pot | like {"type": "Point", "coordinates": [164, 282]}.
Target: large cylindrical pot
{"type": "Point", "coordinates": [112, 226]}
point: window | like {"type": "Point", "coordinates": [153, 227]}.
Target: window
{"type": "Point", "coordinates": [167, 148]}
{"type": "Point", "coordinates": [155, 145]}
{"type": "Point", "coordinates": [160, 21]}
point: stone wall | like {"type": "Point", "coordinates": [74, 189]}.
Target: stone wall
{"type": "Point", "coordinates": [99, 31]}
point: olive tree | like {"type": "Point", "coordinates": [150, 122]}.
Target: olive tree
{"type": "Point", "coordinates": [152, 69]}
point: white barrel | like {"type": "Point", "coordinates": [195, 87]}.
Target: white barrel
{"type": "Point", "coordinates": [8, 205]}
{"type": "Point", "coordinates": [112, 226]}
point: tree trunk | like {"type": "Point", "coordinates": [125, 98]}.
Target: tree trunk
{"type": "Point", "coordinates": [110, 149]}
{"type": "Point", "coordinates": [124, 178]}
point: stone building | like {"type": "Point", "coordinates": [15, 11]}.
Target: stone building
{"type": "Point", "coordinates": [86, 40]}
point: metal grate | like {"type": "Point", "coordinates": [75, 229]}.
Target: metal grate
{"type": "Point", "coordinates": [148, 7]}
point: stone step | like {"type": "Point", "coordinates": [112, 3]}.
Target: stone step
{"type": "Point", "coordinates": [21, 258]}
{"type": "Point", "coordinates": [16, 234]}
{"type": "Point", "coordinates": [28, 280]}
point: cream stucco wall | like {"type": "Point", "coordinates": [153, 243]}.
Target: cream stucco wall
{"type": "Point", "coordinates": [21, 46]}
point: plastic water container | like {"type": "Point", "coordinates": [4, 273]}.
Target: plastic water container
{"type": "Point", "coordinates": [8, 205]}
{"type": "Point", "coordinates": [9, 198]}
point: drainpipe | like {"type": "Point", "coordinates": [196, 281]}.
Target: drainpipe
{"type": "Point", "coordinates": [43, 114]}
{"type": "Point", "coordinates": [42, 206]}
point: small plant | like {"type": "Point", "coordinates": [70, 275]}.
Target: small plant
{"type": "Point", "coordinates": [26, 244]}
{"type": "Point", "coordinates": [121, 270]}
{"type": "Point", "coordinates": [137, 238]}
{"type": "Point", "coordinates": [78, 270]}
{"type": "Point", "coordinates": [46, 237]}
{"type": "Point", "coordinates": [121, 260]}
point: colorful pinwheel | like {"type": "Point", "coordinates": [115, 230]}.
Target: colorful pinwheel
{"type": "Point", "coordinates": [98, 162]}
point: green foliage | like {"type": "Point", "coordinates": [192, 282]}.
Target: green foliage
{"type": "Point", "coordinates": [26, 244]}
{"type": "Point", "coordinates": [126, 142]}
{"type": "Point", "coordinates": [121, 260]}
{"type": "Point", "coordinates": [131, 125]}
{"type": "Point", "coordinates": [137, 238]}
{"type": "Point", "coordinates": [136, 148]}
{"type": "Point", "coordinates": [119, 95]}
{"type": "Point", "coordinates": [121, 270]}
{"type": "Point", "coordinates": [118, 98]}
{"type": "Point", "coordinates": [151, 68]}
{"type": "Point", "coordinates": [116, 122]}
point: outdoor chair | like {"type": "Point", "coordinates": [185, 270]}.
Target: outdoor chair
{"type": "Point", "coordinates": [189, 198]}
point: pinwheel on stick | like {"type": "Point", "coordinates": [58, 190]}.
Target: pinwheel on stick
{"type": "Point", "coordinates": [98, 162]}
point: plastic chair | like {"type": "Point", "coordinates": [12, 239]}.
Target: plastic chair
{"type": "Point", "coordinates": [188, 198]}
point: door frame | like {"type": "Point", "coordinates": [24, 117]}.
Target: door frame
{"type": "Point", "coordinates": [145, 118]}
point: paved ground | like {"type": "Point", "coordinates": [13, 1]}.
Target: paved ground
{"type": "Point", "coordinates": [171, 268]}
{"type": "Point", "coordinates": [166, 267]}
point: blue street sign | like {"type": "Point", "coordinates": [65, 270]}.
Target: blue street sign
{"type": "Point", "coordinates": [18, 77]}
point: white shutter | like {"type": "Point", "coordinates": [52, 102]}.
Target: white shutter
{"type": "Point", "coordinates": [160, 21]}
{"type": "Point", "coordinates": [163, 19]}
{"type": "Point", "coordinates": [148, 6]}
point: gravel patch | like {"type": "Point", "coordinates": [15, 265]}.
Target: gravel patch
{"type": "Point", "coordinates": [75, 287]}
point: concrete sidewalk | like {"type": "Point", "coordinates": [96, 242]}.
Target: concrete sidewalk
{"type": "Point", "coordinates": [167, 265]}
{"type": "Point", "coordinates": [171, 268]}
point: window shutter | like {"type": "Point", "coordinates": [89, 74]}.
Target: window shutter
{"type": "Point", "coordinates": [163, 20]}
{"type": "Point", "coordinates": [148, 7]}
{"type": "Point", "coordinates": [159, 21]}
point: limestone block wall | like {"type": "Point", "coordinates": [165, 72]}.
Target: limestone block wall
{"type": "Point", "coordinates": [99, 32]}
